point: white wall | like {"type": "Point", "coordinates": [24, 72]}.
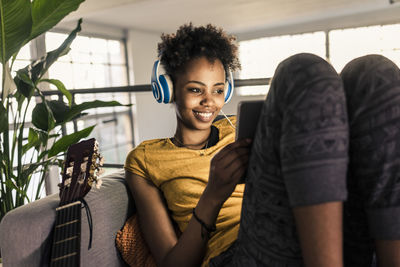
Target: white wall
{"type": "Point", "coordinates": [151, 119]}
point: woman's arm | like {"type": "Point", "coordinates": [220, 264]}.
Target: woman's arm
{"type": "Point", "coordinates": [158, 229]}
{"type": "Point", "coordinates": [388, 252]}
{"type": "Point", "coordinates": [226, 169]}
{"type": "Point", "coordinates": [320, 233]}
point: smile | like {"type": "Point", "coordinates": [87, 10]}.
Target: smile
{"type": "Point", "coordinates": [203, 116]}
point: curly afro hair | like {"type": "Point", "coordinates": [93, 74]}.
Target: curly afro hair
{"type": "Point", "coordinates": [190, 42]}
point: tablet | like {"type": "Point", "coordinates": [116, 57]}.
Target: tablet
{"type": "Point", "coordinates": [248, 114]}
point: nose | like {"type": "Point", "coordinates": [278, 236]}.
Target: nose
{"type": "Point", "coordinates": [207, 99]}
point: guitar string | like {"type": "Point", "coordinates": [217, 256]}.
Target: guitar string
{"type": "Point", "coordinates": [73, 228]}
{"type": "Point", "coordinates": [75, 211]}
{"type": "Point", "coordinates": [74, 194]}
{"type": "Point", "coordinates": [67, 233]}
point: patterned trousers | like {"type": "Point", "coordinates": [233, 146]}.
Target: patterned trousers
{"type": "Point", "coordinates": [323, 137]}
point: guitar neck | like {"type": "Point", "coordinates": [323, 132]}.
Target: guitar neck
{"type": "Point", "coordinates": [65, 251]}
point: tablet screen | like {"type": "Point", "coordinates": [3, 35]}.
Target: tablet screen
{"type": "Point", "coordinates": [248, 115]}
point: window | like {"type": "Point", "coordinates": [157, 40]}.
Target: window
{"type": "Point", "coordinates": [260, 57]}
{"type": "Point", "coordinates": [348, 44]}
{"type": "Point", "coordinates": [97, 63]}
{"type": "Point", "coordinates": [92, 62]}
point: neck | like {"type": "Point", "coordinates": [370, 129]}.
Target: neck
{"type": "Point", "coordinates": [193, 139]}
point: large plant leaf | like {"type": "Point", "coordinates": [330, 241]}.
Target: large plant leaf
{"type": "Point", "coordinates": [3, 118]}
{"type": "Point", "coordinates": [47, 13]}
{"type": "Point", "coordinates": [20, 99]}
{"type": "Point", "coordinates": [33, 141]}
{"type": "Point", "coordinates": [24, 84]}
{"type": "Point", "coordinates": [60, 86]}
{"type": "Point", "coordinates": [30, 168]}
{"type": "Point", "coordinates": [77, 109]}
{"type": "Point", "coordinates": [59, 110]}
{"type": "Point", "coordinates": [42, 117]}
{"type": "Point", "coordinates": [16, 25]}
{"type": "Point", "coordinates": [39, 67]}
{"type": "Point", "coordinates": [64, 142]}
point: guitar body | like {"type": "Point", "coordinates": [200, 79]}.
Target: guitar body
{"type": "Point", "coordinates": [78, 177]}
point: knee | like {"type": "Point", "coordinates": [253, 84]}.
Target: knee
{"type": "Point", "coordinates": [369, 67]}
{"type": "Point", "coordinates": [369, 79]}
{"type": "Point", "coordinates": [298, 61]}
{"type": "Point", "coordinates": [303, 67]}
{"type": "Point", "coordinates": [297, 72]}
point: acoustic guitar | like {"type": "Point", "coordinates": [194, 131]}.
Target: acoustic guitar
{"type": "Point", "coordinates": [79, 175]}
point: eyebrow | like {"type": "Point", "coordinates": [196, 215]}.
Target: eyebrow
{"type": "Point", "coordinates": [203, 84]}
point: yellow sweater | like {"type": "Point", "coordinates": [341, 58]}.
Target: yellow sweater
{"type": "Point", "coordinates": [182, 175]}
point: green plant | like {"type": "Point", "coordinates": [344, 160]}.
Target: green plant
{"type": "Point", "coordinates": [27, 153]}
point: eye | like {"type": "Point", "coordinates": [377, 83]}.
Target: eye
{"type": "Point", "coordinates": [219, 91]}
{"type": "Point", "coordinates": [194, 89]}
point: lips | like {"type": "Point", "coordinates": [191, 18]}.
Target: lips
{"type": "Point", "coordinates": [203, 116]}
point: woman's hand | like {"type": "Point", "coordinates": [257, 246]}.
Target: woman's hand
{"type": "Point", "coordinates": [227, 168]}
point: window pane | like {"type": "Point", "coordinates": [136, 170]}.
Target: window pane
{"type": "Point", "coordinates": [63, 72]}
{"type": "Point", "coordinates": [83, 75]}
{"type": "Point", "coordinates": [348, 44]}
{"type": "Point", "coordinates": [25, 52]}
{"type": "Point", "coordinates": [93, 63]}
{"type": "Point", "coordinates": [117, 55]}
{"type": "Point", "coordinates": [260, 57]}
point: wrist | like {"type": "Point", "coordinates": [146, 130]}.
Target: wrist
{"type": "Point", "coordinates": [211, 199]}
{"type": "Point", "coordinates": [207, 209]}
{"type": "Point", "coordinates": [206, 229]}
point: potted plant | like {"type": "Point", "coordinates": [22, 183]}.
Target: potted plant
{"type": "Point", "coordinates": [27, 153]}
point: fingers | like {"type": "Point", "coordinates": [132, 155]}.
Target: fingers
{"type": "Point", "coordinates": [231, 147]}
{"type": "Point", "coordinates": [230, 154]}
{"type": "Point", "coordinates": [238, 167]}
{"type": "Point", "coordinates": [231, 163]}
{"type": "Point", "coordinates": [234, 158]}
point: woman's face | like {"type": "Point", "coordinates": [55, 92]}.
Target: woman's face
{"type": "Point", "coordinates": [199, 93]}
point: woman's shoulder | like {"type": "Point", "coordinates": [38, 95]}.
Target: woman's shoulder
{"type": "Point", "coordinates": [137, 157]}
{"type": "Point", "coordinates": [151, 144]}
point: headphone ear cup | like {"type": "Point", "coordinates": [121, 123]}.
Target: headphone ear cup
{"type": "Point", "coordinates": [228, 90]}
{"type": "Point", "coordinates": [167, 88]}
{"type": "Point", "coordinates": [161, 85]}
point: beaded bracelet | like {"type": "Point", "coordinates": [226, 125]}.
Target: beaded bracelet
{"type": "Point", "coordinates": [209, 229]}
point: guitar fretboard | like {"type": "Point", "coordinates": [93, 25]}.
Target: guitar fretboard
{"type": "Point", "coordinates": [66, 240]}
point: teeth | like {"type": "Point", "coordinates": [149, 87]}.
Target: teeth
{"type": "Point", "coordinates": [204, 114]}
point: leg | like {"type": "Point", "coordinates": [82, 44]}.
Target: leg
{"type": "Point", "coordinates": [372, 212]}
{"type": "Point", "coordinates": [299, 158]}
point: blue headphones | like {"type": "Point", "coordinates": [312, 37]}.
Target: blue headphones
{"type": "Point", "coordinates": [162, 86]}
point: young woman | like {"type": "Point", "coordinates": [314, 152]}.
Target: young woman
{"type": "Point", "coordinates": [322, 139]}
{"type": "Point", "coordinates": [171, 178]}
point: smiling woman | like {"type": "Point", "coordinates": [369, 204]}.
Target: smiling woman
{"type": "Point", "coordinates": [178, 181]}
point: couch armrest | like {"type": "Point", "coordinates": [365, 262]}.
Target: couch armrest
{"type": "Point", "coordinates": [111, 206]}
{"type": "Point", "coordinates": [25, 232]}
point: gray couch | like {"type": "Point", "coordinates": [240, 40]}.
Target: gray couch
{"type": "Point", "coordinates": [25, 232]}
